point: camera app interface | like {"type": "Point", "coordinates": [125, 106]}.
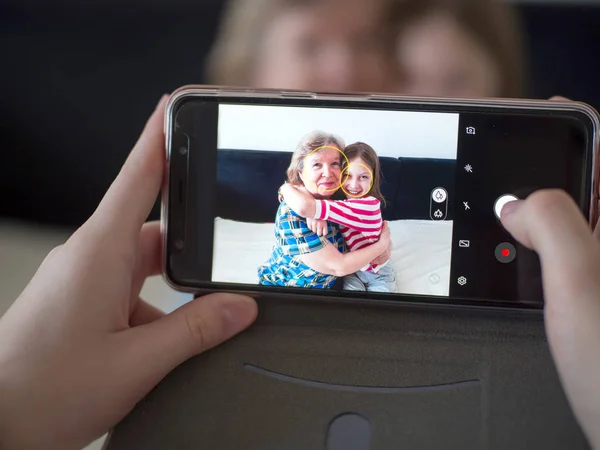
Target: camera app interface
{"type": "Point", "coordinates": [367, 200]}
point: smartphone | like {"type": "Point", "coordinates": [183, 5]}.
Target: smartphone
{"type": "Point", "coordinates": [275, 193]}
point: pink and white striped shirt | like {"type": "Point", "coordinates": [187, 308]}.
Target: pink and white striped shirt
{"type": "Point", "coordinates": [359, 219]}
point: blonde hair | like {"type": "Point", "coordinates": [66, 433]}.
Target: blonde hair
{"type": "Point", "coordinates": [305, 147]}
{"type": "Point", "coordinates": [231, 59]}
{"type": "Point", "coordinates": [493, 23]}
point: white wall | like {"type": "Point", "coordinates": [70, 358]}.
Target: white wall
{"type": "Point", "coordinates": [390, 133]}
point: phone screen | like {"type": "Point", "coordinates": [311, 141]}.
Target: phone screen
{"type": "Point", "coordinates": [282, 196]}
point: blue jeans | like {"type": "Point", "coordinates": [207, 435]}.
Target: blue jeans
{"type": "Point", "coordinates": [382, 281]}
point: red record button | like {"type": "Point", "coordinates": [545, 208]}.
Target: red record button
{"type": "Point", "coordinates": [505, 252]}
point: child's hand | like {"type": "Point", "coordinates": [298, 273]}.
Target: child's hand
{"type": "Point", "coordinates": [281, 192]}
{"type": "Point", "coordinates": [317, 226]}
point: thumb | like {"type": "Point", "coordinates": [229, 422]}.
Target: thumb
{"type": "Point", "coordinates": [151, 351]}
{"type": "Point", "coordinates": [550, 223]}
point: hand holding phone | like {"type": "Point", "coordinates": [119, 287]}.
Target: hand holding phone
{"type": "Point", "coordinates": [550, 223]}
{"type": "Point", "coordinates": [79, 347]}
{"type": "Point", "coordinates": [433, 169]}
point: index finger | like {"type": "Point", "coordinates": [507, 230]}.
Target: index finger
{"type": "Point", "coordinates": [130, 198]}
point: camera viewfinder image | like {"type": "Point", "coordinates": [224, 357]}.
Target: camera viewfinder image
{"type": "Point", "coordinates": [343, 199]}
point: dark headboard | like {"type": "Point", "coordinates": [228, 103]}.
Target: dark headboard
{"type": "Point", "coordinates": [248, 181]}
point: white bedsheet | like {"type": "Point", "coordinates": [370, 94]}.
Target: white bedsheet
{"type": "Point", "coordinates": [420, 255]}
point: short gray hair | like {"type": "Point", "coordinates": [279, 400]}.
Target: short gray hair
{"type": "Point", "coordinates": [305, 147]}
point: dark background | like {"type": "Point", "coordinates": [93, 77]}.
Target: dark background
{"type": "Point", "coordinates": [79, 81]}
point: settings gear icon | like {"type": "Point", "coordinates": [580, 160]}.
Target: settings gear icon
{"type": "Point", "coordinates": [462, 281]}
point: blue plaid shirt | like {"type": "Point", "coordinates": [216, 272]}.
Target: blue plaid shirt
{"type": "Point", "coordinates": [293, 238]}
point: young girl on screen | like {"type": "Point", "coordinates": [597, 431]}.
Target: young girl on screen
{"type": "Point", "coordinates": [359, 216]}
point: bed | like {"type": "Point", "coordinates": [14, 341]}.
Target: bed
{"type": "Point", "coordinates": [420, 254]}
{"type": "Point", "coordinates": [248, 181]}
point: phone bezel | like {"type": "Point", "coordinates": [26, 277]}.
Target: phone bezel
{"type": "Point", "coordinates": [216, 92]}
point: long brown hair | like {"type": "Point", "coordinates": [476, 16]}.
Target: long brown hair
{"type": "Point", "coordinates": [368, 155]}
{"type": "Point", "coordinates": [305, 147]}
{"type": "Point", "coordinates": [493, 23]}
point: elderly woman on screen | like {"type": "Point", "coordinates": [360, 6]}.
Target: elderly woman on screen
{"type": "Point", "coordinates": [300, 257]}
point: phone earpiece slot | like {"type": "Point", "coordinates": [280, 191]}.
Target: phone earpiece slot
{"type": "Point", "coordinates": [180, 191]}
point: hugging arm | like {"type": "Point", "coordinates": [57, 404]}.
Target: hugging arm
{"type": "Point", "coordinates": [385, 256]}
{"type": "Point", "coordinates": [348, 217]}
{"type": "Point", "coordinates": [330, 261]}
{"type": "Point", "coordinates": [300, 201]}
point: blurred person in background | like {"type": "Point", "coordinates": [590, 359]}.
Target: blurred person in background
{"type": "Point", "coordinates": [324, 45]}
{"type": "Point", "coordinates": [451, 48]}
{"type": "Point", "coordinates": [459, 48]}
